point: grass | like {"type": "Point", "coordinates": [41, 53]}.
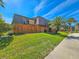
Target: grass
{"type": "Point", "coordinates": [31, 46]}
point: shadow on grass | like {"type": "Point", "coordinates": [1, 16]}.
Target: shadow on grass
{"type": "Point", "coordinates": [58, 34]}
{"type": "Point", "coordinates": [62, 35]}
{"type": "Point", "coordinates": [73, 37]}
{"type": "Point", "coordinates": [5, 41]}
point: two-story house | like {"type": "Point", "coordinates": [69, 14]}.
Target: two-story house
{"type": "Point", "coordinates": [22, 24]}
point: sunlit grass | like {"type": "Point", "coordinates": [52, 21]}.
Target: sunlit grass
{"type": "Point", "coordinates": [31, 46]}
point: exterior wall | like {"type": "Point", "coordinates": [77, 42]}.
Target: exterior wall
{"type": "Point", "coordinates": [31, 22]}
{"type": "Point", "coordinates": [20, 20]}
{"type": "Point", "coordinates": [41, 21]}
{"type": "Point", "coordinates": [23, 24]}
{"type": "Point", "coordinates": [77, 28]}
{"type": "Point", "coordinates": [21, 28]}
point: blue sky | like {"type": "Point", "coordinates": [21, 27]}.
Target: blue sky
{"type": "Point", "coordinates": [45, 8]}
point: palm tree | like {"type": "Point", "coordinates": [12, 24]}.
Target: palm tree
{"type": "Point", "coordinates": [70, 21]}
{"type": "Point", "coordinates": [56, 23]}
{"type": "Point", "coordinates": [1, 3]}
{"type": "Point", "coordinates": [64, 24]}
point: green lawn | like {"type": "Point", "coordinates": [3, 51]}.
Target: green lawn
{"type": "Point", "coordinates": [29, 46]}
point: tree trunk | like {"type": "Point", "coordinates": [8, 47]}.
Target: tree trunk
{"type": "Point", "coordinates": [57, 29]}
{"type": "Point", "coordinates": [70, 28]}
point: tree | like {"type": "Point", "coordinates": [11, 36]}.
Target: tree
{"type": "Point", "coordinates": [4, 27]}
{"type": "Point", "coordinates": [57, 23]}
{"type": "Point", "coordinates": [70, 22]}
{"type": "Point", "coordinates": [1, 3]}
{"type": "Point", "coordinates": [64, 24]}
{"type": "Point", "coordinates": [1, 19]}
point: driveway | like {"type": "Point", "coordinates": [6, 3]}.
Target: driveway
{"type": "Point", "coordinates": [67, 49]}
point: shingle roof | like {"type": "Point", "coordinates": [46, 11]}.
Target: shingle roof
{"type": "Point", "coordinates": [27, 18]}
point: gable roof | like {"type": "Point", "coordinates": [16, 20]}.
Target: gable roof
{"type": "Point", "coordinates": [22, 16]}
{"type": "Point", "coordinates": [26, 18]}
{"type": "Point", "coordinates": [17, 15]}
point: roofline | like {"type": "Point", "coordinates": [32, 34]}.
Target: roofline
{"type": "Point", "coordinates": [22, 16]}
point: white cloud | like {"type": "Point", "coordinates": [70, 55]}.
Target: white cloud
{"type": "Point", "coordinates": [40, 6]}
{"type": "Point", "coordinates": [73, 13]}
{"type": "Point", "coordinates": [60, 7]}
{"type": "Point", "coordinates": [13, 3]}
{"type": "Point", "coordinates": [6, 1]}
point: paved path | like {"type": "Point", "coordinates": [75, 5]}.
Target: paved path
{"type": "Point", "coordinates": [67, 49]}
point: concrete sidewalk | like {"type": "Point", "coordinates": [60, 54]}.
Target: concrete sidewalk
{"type": "Point", "coordinates": [67, 49]}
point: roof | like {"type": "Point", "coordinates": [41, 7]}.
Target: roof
{"type": "Point", "coordinates": [27, 17]}
{"type": "Point", "coordinates": [22, 16]}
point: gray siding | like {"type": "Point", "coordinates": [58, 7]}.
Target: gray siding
{"type": "Point", "coordinates": [20, 19]}
{"type": "Point", "coordinates": [41, 21]}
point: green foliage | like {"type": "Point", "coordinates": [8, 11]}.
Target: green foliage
{"type": "Point", "coordinates": [77, 24]}
{"type": "Point", "coordinates": [71, 20]}
{"type": "Point", "coordinates": [5, 41]}
{"type": "Point", "coordinates": [57, 22]}
{"type": "Point", "coordinates": [1, 19]}
{"type": "Point", "coordinates": [60, 22]}
{"type": "Point", "coordinates": [31, 46]}
{"type": "Point", "coordinates": [4, 27]}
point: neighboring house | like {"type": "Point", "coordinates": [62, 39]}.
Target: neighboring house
{"type": "Point", "coordinates": [77, 28]}
{"type": "Point", "coordinates": [22, 24]}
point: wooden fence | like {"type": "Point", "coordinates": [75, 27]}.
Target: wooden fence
{"type": "Point", "coordinates": [29, 28]}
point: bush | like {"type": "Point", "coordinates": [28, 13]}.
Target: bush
{"type": "Point", "coordinates": [10, 34]}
